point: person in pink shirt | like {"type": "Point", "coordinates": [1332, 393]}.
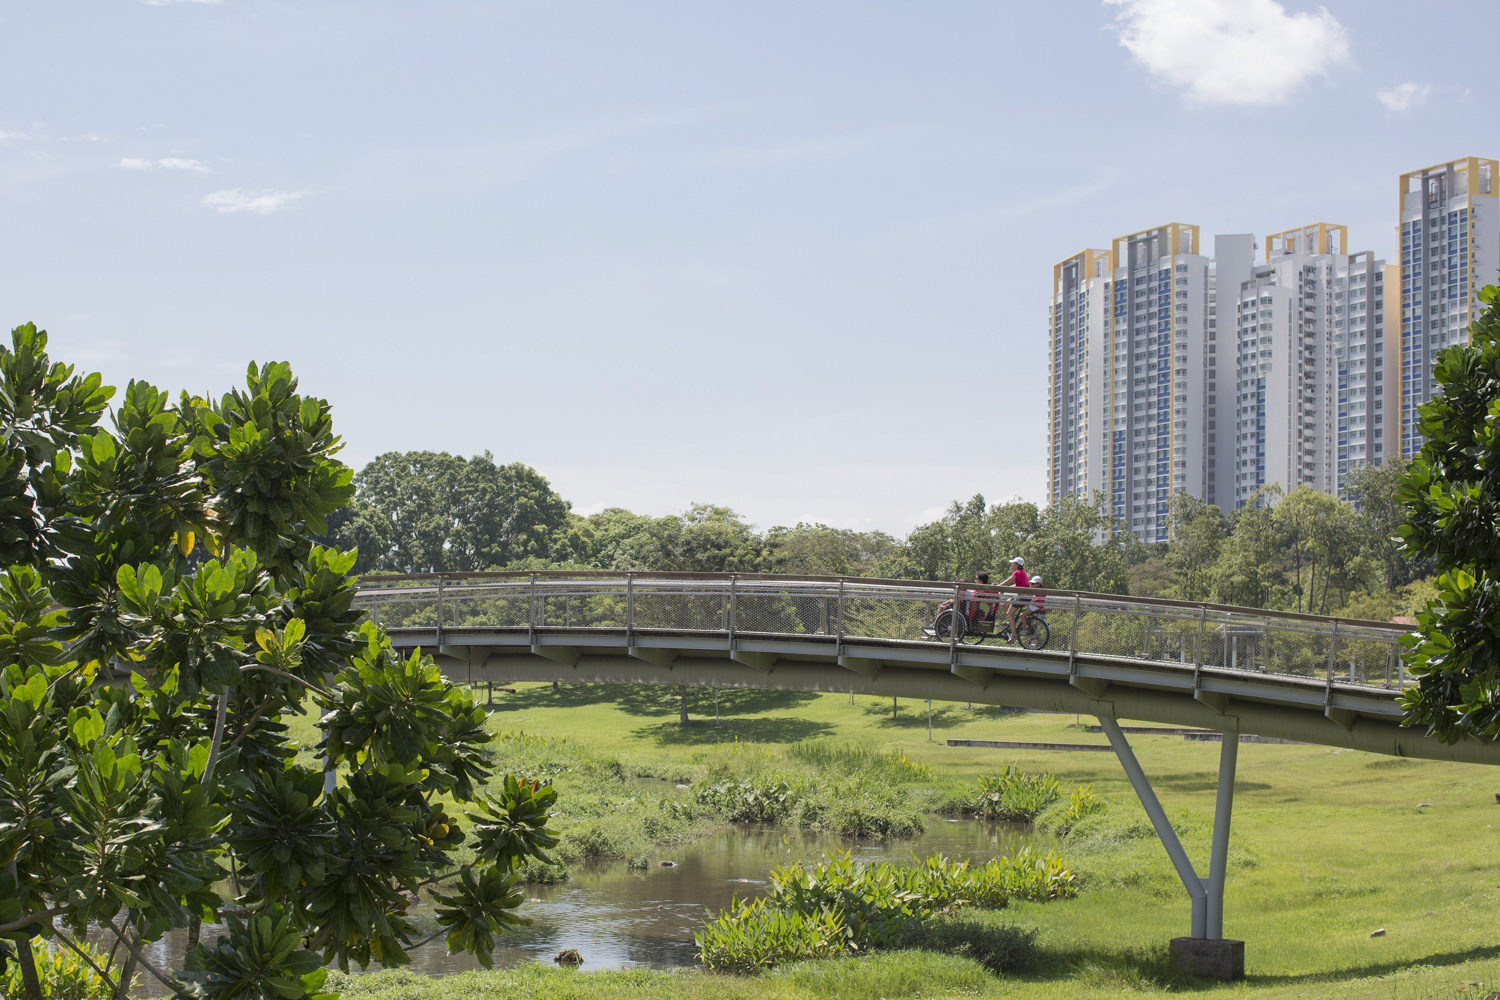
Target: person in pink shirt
{"type": "Point", "coordinates": [1017, 578]}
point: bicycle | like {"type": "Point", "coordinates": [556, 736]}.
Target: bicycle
{"type": "Point", "coordinates": [1032, 629]}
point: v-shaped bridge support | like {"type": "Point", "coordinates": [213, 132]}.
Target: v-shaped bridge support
{"type": "Point", "coordinates": [1206, 952]}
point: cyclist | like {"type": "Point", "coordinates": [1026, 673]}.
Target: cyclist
{"type": "Point", "coordinates": [1017, 578]}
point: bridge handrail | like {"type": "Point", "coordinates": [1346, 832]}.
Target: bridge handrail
{"type": "Point", "coordinates": [1109, 626]}
{"type": "Point", "coordinates": [371, 584]}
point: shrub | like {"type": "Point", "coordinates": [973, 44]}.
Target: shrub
{"type": "Point", "coordinates": [874, 906]}
{"type": "Point", "coordinates": [1061, 817]}
{"type": "Point", "coordinates": [758, 934]}
{"type": "Point", "coordinates": [750, 801]}
{"type": "Point", "coordinates": [62, 974]}
{"type": "Point", "coordinates": [1015, 795]}
{"type": "Point", "coordinates": [1034, 877]}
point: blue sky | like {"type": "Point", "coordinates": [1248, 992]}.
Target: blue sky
{"type": "Point", "coordinates": [789, 257]}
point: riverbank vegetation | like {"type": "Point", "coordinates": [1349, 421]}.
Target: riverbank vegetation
{"type": "Point", "coordinates": [1328, 846]}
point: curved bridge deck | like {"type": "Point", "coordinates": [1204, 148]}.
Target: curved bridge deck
{"type": "Point", "coordinates": [1329, 681]}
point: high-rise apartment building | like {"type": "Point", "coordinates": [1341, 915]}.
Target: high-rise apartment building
{"type": "Point", "coordinates": [1450, 248]}
{"type": "Point", "coordinates": [1172, 372]}
{"type": "Point", "coordinates": [1312, 352]}
{"type": "Point", "coordinates": [1127, 374]}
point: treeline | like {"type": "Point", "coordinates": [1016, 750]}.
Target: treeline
{"type": "Point", "coordinates": [421, 512]}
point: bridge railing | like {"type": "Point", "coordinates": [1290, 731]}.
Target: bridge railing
{"type": "Point", "coordinates": [1096, 625]}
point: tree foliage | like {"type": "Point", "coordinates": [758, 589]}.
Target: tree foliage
{"type": "Point", "coordinates": [431, 512]}
{"type": "Point", "coordinates": [165, 612]}
{"type": "Point", "coordinates": [1452, 496]}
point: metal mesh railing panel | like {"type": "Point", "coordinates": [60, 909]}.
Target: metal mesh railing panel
{"type": "Point", "coordinates": [1092, 625]}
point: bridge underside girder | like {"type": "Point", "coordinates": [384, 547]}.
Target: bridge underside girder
{"type": "Point", "coordinates": [1165, 694]}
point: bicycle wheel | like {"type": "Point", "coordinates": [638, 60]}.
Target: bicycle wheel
{"type": "Point", "coordinates": [1035, 633]}
{"type": "Point", "coordinates": [945, 623]}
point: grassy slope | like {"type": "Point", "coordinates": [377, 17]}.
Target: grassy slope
{"type": "Point", "coordinates": [1331, 845]}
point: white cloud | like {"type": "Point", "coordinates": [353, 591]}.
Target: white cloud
{"type": "Point", "coordinates": [259, 202]}
{"type": "Point", "coordinates": [191, 166]}
{"type": "Point", "coordinates": [1403, 98]}
{"type": "Point", "coordinates": [1231, 51]}
{"type": "Point", "coordinates": [169, 163]}
{"type": "Point", "coordinates": [8, 136]}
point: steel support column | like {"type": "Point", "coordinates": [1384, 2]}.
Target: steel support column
{"type": "Point", "coordinates": [1218, 859]}
{"type": "Point", "coordinates": [1196, 887]}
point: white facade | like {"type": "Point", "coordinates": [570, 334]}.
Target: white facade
{"type": "Point", "coordinates": [1172, 372]}
{"type": "Point", "coordinates": [1449, 236]}
{"type": "Point", "coordinates": [1128, 378]}
{"type": "Point", "coordinates": [1310, 393]}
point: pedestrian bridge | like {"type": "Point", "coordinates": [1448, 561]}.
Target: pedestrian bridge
{"type": "Point", "coordinates": [1329, 681]}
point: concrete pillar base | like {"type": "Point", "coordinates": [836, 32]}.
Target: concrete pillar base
{"type": "Point", "coordinates": [1210, 958]}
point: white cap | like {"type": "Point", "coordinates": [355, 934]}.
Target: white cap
{"type": "Point", "coordinates": [1035, 580]}
{"type": "Point", "coordinates": [1018, 561]}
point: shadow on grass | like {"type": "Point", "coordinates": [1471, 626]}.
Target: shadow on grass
{"type": "Point", "coordinates": [1490, 952]}
{"type": "Point", "coordinates": [758, 730]}
{"type": "Point", "coordinates": [651, 699]}
{"type": "Point", "coordinates": [1193, 781]}
{"type": "Point", "coordinates": [1148, 969]}
{"type": "Point", "coordinates": [912, 714]}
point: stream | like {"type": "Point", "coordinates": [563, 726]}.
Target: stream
{"type": "Point", "coordinates": [617, 918]}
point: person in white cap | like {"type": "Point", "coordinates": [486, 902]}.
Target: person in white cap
{"type": "Point", "coordinates": [1017, 578]}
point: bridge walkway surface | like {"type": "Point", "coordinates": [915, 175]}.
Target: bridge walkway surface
{"type": "Point", "coordinates": [1329, 681]}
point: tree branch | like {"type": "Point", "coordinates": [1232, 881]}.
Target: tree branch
{"type": "Point", "coordinates": [218, 742]}
{"type": "Point", "coordinates": [30, 919]}
{"type": "Point", "coordinates": [136, 954]}
{"type": "Point", "coordinates": [254, 718]}
{"type": "Point", "coordinates": [291, 677]}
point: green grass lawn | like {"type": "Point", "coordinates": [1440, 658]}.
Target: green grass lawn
{"type": "Point", "coordinates": [1328, 846]}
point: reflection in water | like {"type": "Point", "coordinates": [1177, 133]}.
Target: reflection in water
{"type": "Point", "coordinates": [617, 918]}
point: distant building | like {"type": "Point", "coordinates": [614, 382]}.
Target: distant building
{"type": "Point", "coordinates": [1312, 350]}
{"type": "Point", "coordinates": [1450, 248]}
{"type": "Point", "coordinates": [1148, 399]}
{"type": "Point", "coordinates": [1128, 374]}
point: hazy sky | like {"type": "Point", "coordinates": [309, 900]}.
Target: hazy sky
{"type": "Point", "coordinates": [789, 257]}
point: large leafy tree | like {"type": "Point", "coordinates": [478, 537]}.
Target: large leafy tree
{"type": "Point", "coordinates": [163, 617]}
{"type": "Point", "coordinates": [1452, 496]}
{"type": "Point", "coordinates": [431, 512]}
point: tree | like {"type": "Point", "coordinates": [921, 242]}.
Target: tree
{"type": "Point", "coordinates": [172, 554]}
{"type": "Point", "coordinates": [1198, 531]}
{"type": "Point", "coordinates": [1452, 497]}
{"type": "Point", "coordinates": [434, 512]}
{"type": "Point", "coordinates": [818, 550]}
{"type": "Point", "coordinates": [1373, 490]}
{"type": "Point", "coordinates": [703, 539]}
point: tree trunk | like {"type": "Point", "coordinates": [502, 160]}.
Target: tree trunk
{"type": "Point", "coordinates": [29, 981]}
{"type": "Point", "coordinates": [190, 954]}
{"type": "Point", "coordinates": [682, 718]}
{"type": "Point", "coordinates": [893, 708]}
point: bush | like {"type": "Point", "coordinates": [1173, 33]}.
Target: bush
{"type": "Point", "coordinates": [1015, 795]}
{"type": "Point", "coordinates": [750, 801]}
{"type": "Point", "coordinates": [758, 934]}
{"type": "Point", "coordinates": [62, 974]}
{"type": "Point", "coordinates": [1061, 817]}
{"type": "Point", "coordinates": [875, 906]}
